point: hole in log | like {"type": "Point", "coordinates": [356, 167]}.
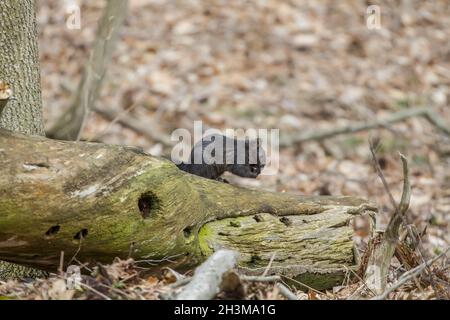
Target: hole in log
{"type": "Point", "coordinates": [52, 231]}
{"type": "Point", "coordinates": [286, 221]}
{"type": "Point", "coordinates": [187, 232]}
{"type": "Point", "coordinates": [255, 259]}
{"type": "Point", "coordinates": [258, 218]}
{"type": "Point", "coordinates": [146, 203]}
{"type": "Point", "coordinates": [235, 224]}
{"type": "Point", "coordinates": [39, 165]}
{"type": "Point", "coordinates": [81, 234]}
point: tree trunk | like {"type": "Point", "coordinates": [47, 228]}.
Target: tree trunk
{"type": "Point", "coordinates": [19, 67]}
{"type": "Point", "coordinates": [105, 201]}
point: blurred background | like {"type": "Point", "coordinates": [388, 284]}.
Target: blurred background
{"type": "Point", "coordinates": [300, 66]}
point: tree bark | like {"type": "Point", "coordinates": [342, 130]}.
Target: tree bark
{"type": "Point", "coordinates": [103, 201]}
{"type": "Point", "coordinates": [19, 70]}
{"type": "Point", "coordinates": [19, 67]}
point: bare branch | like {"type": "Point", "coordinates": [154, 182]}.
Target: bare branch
{"type": "Point", "coordinates": [392, 230]}
{"type": "Point", "coordinates": [70, 125]}
{"type": "Point", "coordinates": [400, 116]}
{"type": "Point", "coordinates": [205, 283]}
{"type": "Point", "coordinates": [146, 128]}
{"type": "Point", "coordinates": [410, 275]}
{"type": "Point", "coordinates": [261, 278]}
{"type": "Point", "coordinates": [384, 247]}
{"type": "Point", "coordinates": [288, 294]}
{"type": "Point", "coordinates": [376, 164]}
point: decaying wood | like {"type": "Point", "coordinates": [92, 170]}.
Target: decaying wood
{"type": "Point", "coordinates": [205, 284]}
{"type": "Point", "coordinates": [70, 124]}
{"type": "Point", "coordinates": [104, 201]}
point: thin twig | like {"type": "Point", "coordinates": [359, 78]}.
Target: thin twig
{"type": "Point", "coordinates": [377, 166]}
{"type": "Point", "coordinates": [156, 261]}
{"type": "Point", "coordinates": [95, 291]}
{"type": "Point", "coordinates": [357, 292]}
{"type": "Point", "coordinates": [430, 115]}
{"type": "Point", "coordinates": [61, 263]}
{"type": "Point", "coordinates": [113, 122]}
{"type": "Point", "coordinates": [76, 252]}
{"type": "Point", "coordinates": [360, 279]}
{"type": "Point", "coordinates": [378, 266]}
{"type": "Point", "coordinates": [391, 234]}
{"type": "Point", "coordinates": [126, 295]}
{"type": "Point", "coordinates": [260, 278]}
{"type": "Point", "coordinates": [410, 275]}
{"type": "Point", "coordinates": [269, 265]}
{"type": "Point", "coordinates": [144, 127]}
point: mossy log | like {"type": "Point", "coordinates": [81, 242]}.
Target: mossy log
{"type": "Point", "coordinates": [103, 201]}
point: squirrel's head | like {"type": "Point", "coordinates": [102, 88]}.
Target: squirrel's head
{"type": "Point", "coordinates": [255, 160]}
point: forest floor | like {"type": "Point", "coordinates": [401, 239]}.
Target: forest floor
{"type": "Point", "coordinates": [300, 66]}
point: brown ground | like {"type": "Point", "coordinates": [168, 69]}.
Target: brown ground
{"type": "Point", "coordinates": [295, 65]}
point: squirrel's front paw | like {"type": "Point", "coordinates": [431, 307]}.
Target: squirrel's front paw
{"type": "Point", "coordinates": [222, 180]}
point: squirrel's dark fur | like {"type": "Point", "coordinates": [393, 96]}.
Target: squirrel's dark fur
{"type": "Point", "coordinates": [244, 158]}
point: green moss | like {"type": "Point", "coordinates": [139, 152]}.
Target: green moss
{"type": "Point", "coordinates": [316, 280]}
{"type": "Point", "coordinates": [210, 213]}
{"type": "Point", "coordinates": [204, 235]}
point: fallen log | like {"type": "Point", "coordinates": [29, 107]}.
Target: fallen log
{"type": "Point", "coordinates": [100, 201]}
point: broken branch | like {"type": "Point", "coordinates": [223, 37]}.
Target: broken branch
{"type": "Point", "coordinates": [407, 276]}
{"type": "Point", "coordinates": [430, 115]}
{"type": "Point", "coordinates": [384, 246]}
{"type": "Point", "coordinates": [146, 128]}
{"type": "Point", "coordinates": [205, 283]}
{"type": "Point", "coordinates": [70, 125]}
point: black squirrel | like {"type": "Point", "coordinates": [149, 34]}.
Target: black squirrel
{"type": "Point", "coordinates": [245, 158]}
